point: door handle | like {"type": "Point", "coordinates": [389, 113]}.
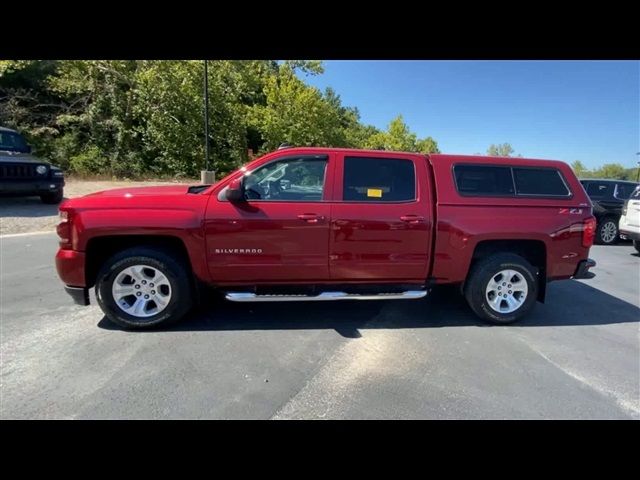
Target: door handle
{"type": "Point", "coordinates": [310, 217]}
{"type": "Point", "coordinates": [413, 219]}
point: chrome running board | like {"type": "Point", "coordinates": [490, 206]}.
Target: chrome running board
{"type": "Point", "coordinates": [325, 296]}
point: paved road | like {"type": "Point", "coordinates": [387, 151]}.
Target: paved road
{"type": "Point", "coordinates": [577, 356]}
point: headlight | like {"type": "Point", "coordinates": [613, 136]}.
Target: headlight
{"type": "Point", "coordinates": [41, 169]}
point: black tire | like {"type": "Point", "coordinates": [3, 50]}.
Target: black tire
{"type": "Point", "coordinates": [181, 299]}
{"type": "Point", "coordinates": [486, 269]}
{"type": "Point", "coordinates": [52, 198]}
{"type": "Point", "coordinates": [636, 245]}
{"type": "Point", "coordinates": [607, 223]}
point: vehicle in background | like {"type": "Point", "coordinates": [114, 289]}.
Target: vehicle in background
{"type": "Point", "coordinates": [608, 197]}
{"type": "Point", "coordinates": [630, 220]}
{"type": "Point", "coordinates": [22, 174]}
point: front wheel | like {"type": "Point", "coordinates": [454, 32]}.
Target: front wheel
{"type": "Point", "coordinates": [607, 233]}
{"type": "Point", "coordinates": [143, 287]}
{"type": "Point", "coordinates": [636, 245]}
{"type": "Point", "coordinates": [502, 288]}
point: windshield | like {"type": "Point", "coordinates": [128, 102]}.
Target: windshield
{"type": "Point", "coordinates": [13, 142]}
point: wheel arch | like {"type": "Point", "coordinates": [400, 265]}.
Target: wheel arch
{"type": "Point", "coordinates": [100, 249]}
{"type": "Point", "coordinates": [534, 251]}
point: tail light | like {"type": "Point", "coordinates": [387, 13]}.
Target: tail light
{"type": "Point", "coordinates": [64, 229]}
{"type": "Point", "coordinates": [624, 208]}
{"type": "Point", "coordinates": [588, 232]}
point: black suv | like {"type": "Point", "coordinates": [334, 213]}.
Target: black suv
{"type": "Point", "coordinates": [608, 197]}
{"type": "Point", "coordinates": [22, 174]}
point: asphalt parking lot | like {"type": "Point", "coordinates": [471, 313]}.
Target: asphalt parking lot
{"type": "Point", "coordinates": [575, 357]}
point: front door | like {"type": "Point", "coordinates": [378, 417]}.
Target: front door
{"type": "Point", "coordinates": [280, 233]}
{"type": "Point", "coordinates": [380, 219]}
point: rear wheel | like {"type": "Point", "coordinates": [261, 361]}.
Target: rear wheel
{"type": "Point", "coordinates": [502, 288]}
{"type": "Point", "coordinates": [607, 233]}
{"type": "Point", "coordinates": [636, 245]}
{"type": "Point", "coordinates": [143, 287]}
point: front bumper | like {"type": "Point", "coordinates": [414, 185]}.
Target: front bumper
{"type": "Point", "coordinates": [583, 269]}
{"type": "Point", "coordinates": [71, 267]}
{"type": "Point", "coordinates": [31, 187]}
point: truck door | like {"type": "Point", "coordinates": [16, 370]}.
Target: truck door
{"type": "Point", "coordinates": [280, 233]}
{"type": "Point", "coordinates": [380, 218]}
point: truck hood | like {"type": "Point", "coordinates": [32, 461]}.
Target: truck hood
{"type": "Point", "coordinates": [160, 199]}
{"type": "Point", "coordinates": [128, 192]}
{"type": "Point", "coordinates": [13, 157]}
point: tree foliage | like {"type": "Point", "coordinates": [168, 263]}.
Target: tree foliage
{"type": "Point", "coordinates": [615, 171]}
{"type": "Point", "coordinates": [500, 150]}
{"type": "Point", "coordinates": [399, 137]}
{"type": "Point", "coordinates": [133, 118]}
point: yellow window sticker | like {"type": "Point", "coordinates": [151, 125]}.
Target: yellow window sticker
{"type": "Point", "coordinates": [374, 192]}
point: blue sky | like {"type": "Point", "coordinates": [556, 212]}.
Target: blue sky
{"type": "Point", "coordinates": [565, 110]}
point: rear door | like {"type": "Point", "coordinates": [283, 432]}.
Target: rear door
{"type": "Point", "coordinates": [380, 218]}
{"type": "Point", "coordinates": [633, 209]}
{"type": "Point", "coordinates": [603, 199]}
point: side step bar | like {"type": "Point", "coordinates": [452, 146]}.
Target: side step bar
{"type": "Point", "coordinates": [325, 296]}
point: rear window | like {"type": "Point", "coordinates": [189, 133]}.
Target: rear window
{"type": "Point", "coordinates": [636, 193]}
{"type": "Point", "coordinates": [507, 181]}
{"type": "Point", "coordinates": [484, 180]}
{"type": "Point", "coordinates": [378, 180]}
{"type": "Point", "coordinates": [539, 181]}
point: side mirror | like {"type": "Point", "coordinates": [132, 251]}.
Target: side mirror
{"type": "Point", "coordinates": [28, 149]}
{"type": "Point", "coordinates": [235, 191]}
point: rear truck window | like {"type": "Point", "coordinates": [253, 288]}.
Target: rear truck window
{"type": "Point", "coordinates": [540, 181]}
{"type": "Point", "coordinates": [378, 180]}
{"type": "Point", "coordinates": [509, 181]}
{"type": "Point", "coordinates": [483, 180]}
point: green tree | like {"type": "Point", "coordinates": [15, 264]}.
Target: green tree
{"type": "Point", "coordinates": [611, 170]}
{"type": "Point", "coordinates": [427, 145]}
{"type": "Point", "coordinates": [295, 113]}
{"type": "Point", "coordinates": [132, 117]}
{"type": "Point", "coordinates": [503, 150]}
{"type": "Point", "coordinates": [398, 137]}
{"type": "Point", "coordinates": [580, 170]}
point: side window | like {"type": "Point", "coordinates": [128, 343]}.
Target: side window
{"type": "Point", "coordinates": [287, 180]}
{"type": "Point", "coordinates": [540, 181]}
{"type": "Point", "coordinates": [623, 190]}
{"type": "Point", "coordinates": [483, 180]}
{"type": "Point", "coordinates": [599, 189]}
{"type": "Point", "coordinates": [378, 180]}
{"type": "Point", "coordinates": [636, 193]}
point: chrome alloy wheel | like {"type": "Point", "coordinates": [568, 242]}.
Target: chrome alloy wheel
{"type": "Point", "coordinates": [506, 291]}
{"type": "Point", "coordinates": [141, 291]}
{"type": "Point", "coordinates": [608, 232]}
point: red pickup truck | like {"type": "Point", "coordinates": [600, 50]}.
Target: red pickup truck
{"type": "Point", "coordinates": [314, 224]}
